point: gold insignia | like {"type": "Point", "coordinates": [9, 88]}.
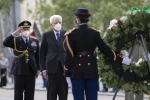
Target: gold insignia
{"type": "Point", "coordinates": [25, 24]}
{"type": "Point", "coordinates": [68, 32]}
{"type": "Point", "coordinates": [97, 30]}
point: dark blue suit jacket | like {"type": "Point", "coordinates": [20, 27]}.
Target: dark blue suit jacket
{"type": "Point", "coordinates": [50, 51]}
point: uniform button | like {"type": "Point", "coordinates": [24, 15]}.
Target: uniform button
{"type": "Point", "coordinates": [88, 55]}
{"type": "Point", "coordinates": [88, 63]}
{"type": "Point", "coordinates": [79, 55]}
{"type": "Point", "coordinates": [15, 62]}
{"type": "Point", "coordinates": [79, 64]}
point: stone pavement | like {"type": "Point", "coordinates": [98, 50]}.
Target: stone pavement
{"type": "Point", "coordinates": [6, 93]}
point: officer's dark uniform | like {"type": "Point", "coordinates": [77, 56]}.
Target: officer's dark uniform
{"type": "Point", "coordinates": [25, 64]}
{"type": "Point", "coordinates": [81, 61]}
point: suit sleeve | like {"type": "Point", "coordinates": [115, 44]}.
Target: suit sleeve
{"type": "Point", "coordinates": [43, 50]}
{"type": "Point", "coordinates": [37, 56]}
{"type": "Point", "coordinates": [9, 41]}
{"type": "Point", "coordinates": [106, 50]}
{"type": "Point", "coordinates": [68, 57]}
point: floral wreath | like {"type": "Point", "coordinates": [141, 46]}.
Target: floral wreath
{"type": "Point", "coordinates": [119, 37]}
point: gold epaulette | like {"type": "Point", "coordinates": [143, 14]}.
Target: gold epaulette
{"type": "Point", "coordinates": [97, 30]}
{"type": "Point", "coordinates": [68, 32]}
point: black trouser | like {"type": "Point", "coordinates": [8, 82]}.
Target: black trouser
{"type": "Point", "coordinates": [57, 85]}
{"type": "Point", "coordinates": [3, 77]}
{"type": "Point", "coordinates": [24, 84]}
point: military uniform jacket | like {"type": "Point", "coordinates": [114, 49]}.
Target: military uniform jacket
{"type": "Point", "coordinates": [86, 39]}
{"type": "Point", "coordinates": [19, 65]}
{"type": "Point", "coordinates": [50, 51]}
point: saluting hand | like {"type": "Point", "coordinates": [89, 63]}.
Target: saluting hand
{"type": "Point", "coordinates": [45, 75]}
{"type": "Point", "coordinates": [18, 31]}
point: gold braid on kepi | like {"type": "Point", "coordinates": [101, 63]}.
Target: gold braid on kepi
{"type": "Point", "coordinates": [97, 30]}
{"type": "Point", "coordinates": [67, 42]}
{"type": "Point", "coordinates": [24, 52]}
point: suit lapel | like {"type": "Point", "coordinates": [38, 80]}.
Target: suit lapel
{"type": "Point", "coordinates": [22, 41]}
{"type": "Point", "coordinates": [30, 41]}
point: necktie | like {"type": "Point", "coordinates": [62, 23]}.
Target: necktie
{"type": "Point", "coordinates": [26, 41]}
{"type": "Point", "coordinates": [58, 39]}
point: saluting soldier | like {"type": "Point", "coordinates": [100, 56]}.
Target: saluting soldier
{"type": "Point", "coordinates": [25, 66]}
{"type": "Point", "coordinates": [80, 60]}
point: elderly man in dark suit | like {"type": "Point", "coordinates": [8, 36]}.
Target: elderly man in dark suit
{"type": "Point", "coordinates": [52, 60]}
{"type": "Point", "coordinates": [25, 66]}
{"type": "Point", "coordinates": [80, 59]}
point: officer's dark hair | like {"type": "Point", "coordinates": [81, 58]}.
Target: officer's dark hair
{"type": "Point", "coordinates": [83, 19]}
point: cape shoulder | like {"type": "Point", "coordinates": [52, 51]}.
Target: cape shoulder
{"type": "Point", "coordinates": [97, 30]}
{"type": "Point", "coordinates": [70, 31]}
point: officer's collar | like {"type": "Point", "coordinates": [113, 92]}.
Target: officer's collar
{"type": "Point", "coordinates": [83, 25]}
{"type": "Point", "coordinates": [25, 38]}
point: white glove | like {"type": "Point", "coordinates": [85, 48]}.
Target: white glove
{"type": "Point", "coordinates": [126, 61]}
{"type": "Point", "coordinates": [69, 82]}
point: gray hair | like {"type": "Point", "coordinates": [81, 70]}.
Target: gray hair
{"type": "Point", "coordinates": [55, 16]}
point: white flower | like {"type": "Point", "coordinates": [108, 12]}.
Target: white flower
{"type": "Point", "coordinates": [112, 23]}
{"type": "Point", "coordinates": [123, 18]}
{"type": "Point", "coordinates": [124, 53]}
{"type": "Point", "coordinates": [139, 61]}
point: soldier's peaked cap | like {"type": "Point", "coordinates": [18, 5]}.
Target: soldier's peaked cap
{"type": "Point", "coordinates": [82, 12]}
{"type": "Point", "coordinates": [25, 24]}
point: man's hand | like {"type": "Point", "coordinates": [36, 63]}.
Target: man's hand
{"type": "Point", "coordinates": [45, 75]}
{"type": "Point", "coordinates": [18, 31]}
{"type": "Point", "coordinates": [38, 73]}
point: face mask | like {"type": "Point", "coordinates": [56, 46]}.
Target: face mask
{"type": "Point", "coordinates": [26, 33]}
{"type": "Point", "coordinates": [57, 27]}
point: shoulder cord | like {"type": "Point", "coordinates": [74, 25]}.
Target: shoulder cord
{"type": "Point", "coordinates": [25, 52]}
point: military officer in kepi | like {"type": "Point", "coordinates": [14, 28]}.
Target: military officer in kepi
{"type": "Point", "coordinates": [80, 60]}
{"type": "Point", "coordinates": [25, 66]}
